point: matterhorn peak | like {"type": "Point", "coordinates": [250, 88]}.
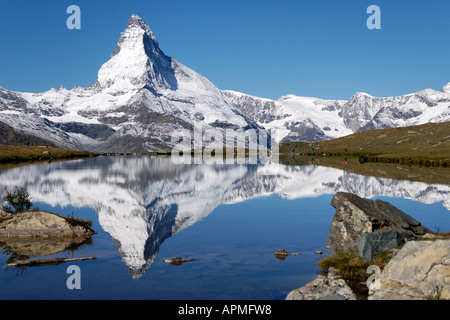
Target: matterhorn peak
{"type": "Point", "coordinates": [137, 61]}
{"type": "Point", "coordinates": [136, 22]}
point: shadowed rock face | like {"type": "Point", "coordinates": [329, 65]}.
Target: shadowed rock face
{"type": "Point", "coordinates": [370, 244]}
{"type": "Point", "coordinates": [356, 216]}
{"type": "Point", "coordinates": [10, 136]}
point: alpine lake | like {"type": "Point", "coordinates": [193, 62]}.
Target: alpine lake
{"type": "Point", "coordinates": [227, 220]}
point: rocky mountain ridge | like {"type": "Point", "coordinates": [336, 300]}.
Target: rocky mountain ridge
{"type": "Point", "coordinates": [293, 118]}
{"type": "Point", "coordinates": [142, 101]}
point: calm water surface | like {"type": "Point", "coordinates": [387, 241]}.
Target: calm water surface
{"type": "Point", "coordinates": [229, 218]}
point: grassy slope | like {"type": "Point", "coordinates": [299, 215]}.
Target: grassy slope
{"type": "Point", "coordinates": [430, 175]}
{"type": "Point", "coordinates": [11, 154]}
{"type": "Point", "coordinates": [427, 142]}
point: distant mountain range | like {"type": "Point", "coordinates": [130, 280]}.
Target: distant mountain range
{"type": "Point", "coordinates": [142, 97]}
{"type": "Point", "coordinates": [293, 118]}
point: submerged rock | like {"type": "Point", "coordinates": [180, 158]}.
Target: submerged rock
{"type": "Point", "coordinates": [41, 224]}
{"type": "Point", "coordinates": [176, 261]}
{"type": "Point", "coordinates": [45, 262]}
{"type": "Point", "coordinates": [282, 254]}
{"type": "Point", "coordinates": [420, 270]}
{"type": "Point", "coordinates": [356, 216]}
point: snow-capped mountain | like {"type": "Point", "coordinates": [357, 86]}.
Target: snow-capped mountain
{"type": "Point", "coordinates": [142, 201]}
{"type": "Point", "coordinates": [142, 98]}
{"type": "Point", "coordinates": [293, 118]}
{"type": "Point", "coordinates": [365, 112]}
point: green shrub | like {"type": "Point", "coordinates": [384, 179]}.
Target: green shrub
{"type": "Point", "coordinates": [79, 222]}
{"type": "Point", "coordinates": [351, 266]}
{"type": "Point", "coordinates": [17, 200]}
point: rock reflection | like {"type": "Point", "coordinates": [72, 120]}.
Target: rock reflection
{"type": "Point", "coordinates": [21, 249]}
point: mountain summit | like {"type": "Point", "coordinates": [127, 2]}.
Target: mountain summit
{"type": "Point", "coordinates": [142, 98]}
{"type": "Point", "coordinates": [446, 88]}
{"type": "Point", "coordinates": [136, 22]}
{"type": "Point", "coordinates": [138, 61]}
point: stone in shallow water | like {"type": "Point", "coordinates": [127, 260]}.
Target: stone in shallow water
{"type": "Point", "coordinates": [281, 252]}
{"type": "Point", "coordinates": [356, 216]}
{"type": "Point", "coordinates": [176, 261]}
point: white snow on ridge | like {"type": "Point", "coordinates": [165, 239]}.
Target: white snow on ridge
{"type": "Point", "coordinates": [137, 76]}
{"type": "Point", "coordinates": [139, 85]}
{"type": "Point", "coordinates": [291, 116]}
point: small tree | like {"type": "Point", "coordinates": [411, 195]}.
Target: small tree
{"type": "Point", "coordinates": [17, 200]}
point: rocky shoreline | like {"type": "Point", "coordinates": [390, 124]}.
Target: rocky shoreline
{"type": "Point", "coordinates": [40, 224]}
{"type": "Point", "coordinates": [419, 265]}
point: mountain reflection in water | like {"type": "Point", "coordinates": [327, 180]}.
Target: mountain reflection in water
{"type": "Point", "coordinates": [142, 201]}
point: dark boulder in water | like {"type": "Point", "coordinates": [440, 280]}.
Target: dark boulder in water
{"type": "Point", "coordinates": [356, 216]}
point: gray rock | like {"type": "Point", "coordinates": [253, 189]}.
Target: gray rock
{"type": "Point", "coordinates": [41, 224]}
{"type": "Point", "coordinates": [356, 216]}
{"type": "Point", "coordinates": [430, 236]}
{"type": "Point", "coordinates": [282, 254]}
{"type": "Point", "coordinates": [5, 215]}
{"type": "Point", "coordinates": [324, 287]}
{"type": "Point", "coordinates": [420, 270]}
{"type": "Point", "coordinates": [370, 244]}
{"type": "Point", "coordinates": [334, 296]}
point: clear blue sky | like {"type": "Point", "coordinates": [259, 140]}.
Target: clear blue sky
{"type": "Point", "coordinates": [318, 48]}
